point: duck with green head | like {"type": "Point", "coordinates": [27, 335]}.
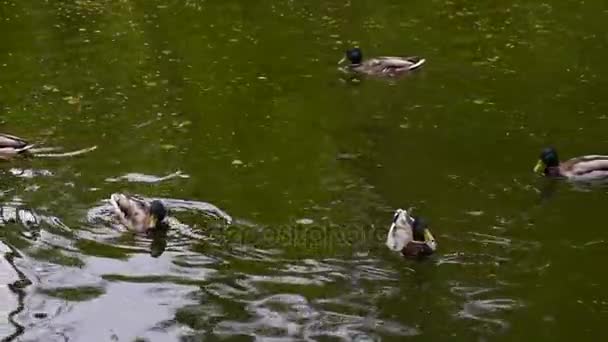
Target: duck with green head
{"type": "Point", "coordinates": [381, 66]}
{"type": "Point", "coordinates": [136, 213]}
{"type": "Point", "coordinates": [410, 235]}
{"type": "Point", "coordinates": [585, 168]}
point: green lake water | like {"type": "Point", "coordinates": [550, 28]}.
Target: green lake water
{"type": "Point", "coordinates": [290, 171]}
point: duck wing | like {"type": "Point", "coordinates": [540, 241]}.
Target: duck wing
{"type": "Point", "coordinates": [132, 211]}
{"type": "Point", "coordinates": [14, 142]}
{"type": "Point", "coordinates": [414, 249]}
{"type": "Point", "coordinates": [127, 204]}
{"type": "Point", "coordinates": [400, 63]}
{"type": "Point", "coordinates": [585, 165]}
{"type": "Point", "coordinates": [121, 204]}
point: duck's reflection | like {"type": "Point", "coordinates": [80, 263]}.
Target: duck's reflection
{"type": "Point", "coordinates": [12, 289]}
{"type": "Point", "coordinates": [29, 219]}
{"type": "Point", "coordinates": [159, 241]}
{"type": "Point", "coordinates": [548, 187]}
{"type": "Point", "coordinates": [14, 214]}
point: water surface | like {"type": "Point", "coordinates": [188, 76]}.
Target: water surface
{"type": "Point", "coordinates": [282, 173]}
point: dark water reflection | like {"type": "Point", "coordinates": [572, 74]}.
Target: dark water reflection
{"type": "Point", "coordinates": [282, 173]}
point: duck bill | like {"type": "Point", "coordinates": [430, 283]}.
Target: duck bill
{"type": "Point", "coordinates": [153, 222]}
{"type": "Point", "coordinates": [429, 240]}
{"type": "Point", "coordinates": [342, 60]}
{"type": "Point", "coordinates": [540, 166]}
{"type": "Point", "coordinates": [428, 237]}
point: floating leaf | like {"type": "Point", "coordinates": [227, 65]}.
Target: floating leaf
{"type": "Point", "coordinates": [72, 99]}
{"type": "Point", "coordinates": [184, 124]}
{"type": "Point", "coordinates": [49, 87]}
{"type": "Point", "coordinates": [305, 221]}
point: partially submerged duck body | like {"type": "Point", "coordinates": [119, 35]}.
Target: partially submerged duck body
{"type": "Point", "coordinates": [590, 168]}
{"type": "Point", "coordinates": [381, 66]}
{"type": "Point", "coordinates": [410, 236]}
{"type": "Point", "coordinates": [136, 213]}
{"type": "Point", "coordinates": [11, 146]}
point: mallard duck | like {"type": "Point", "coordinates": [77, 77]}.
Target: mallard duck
{"type": "Point", "coordinates": [11, 146]}
{"type": "Point", "coordinates": [136, 213]}
{"type": "Point", "coordinates": [410, 236]}
{"type": "Point", "coordinates": [585, 168]}
{"type": "Point", "coordinates": [381, 66]}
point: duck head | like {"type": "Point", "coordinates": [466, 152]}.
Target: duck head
{"type": "Point", "coordinates": [158, 212]}
{"type": "Point", "coordinates": [548, 158]}
{"type": "Point", "coordinates": [423, 233]}
{"type": "Point", "coordinates": [354, 55]}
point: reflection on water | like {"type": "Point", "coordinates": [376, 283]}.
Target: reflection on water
{"type": "Point", "coordinates": [319, 315]}
{"type": "Point", "coordinates": [281, 173]}
{"type": "Point", "coordinates": [12, 284]}
{"type": "Point", "coordinates": [141, 178]}
{"type": "Point", "coordinates": [191, 282]}
{"type": "Point", "coordinates": [197, 279]}
{"type": "Point", "coordinates": [122, 310]}
{"type": "Point", "coordinates": [29, 173]}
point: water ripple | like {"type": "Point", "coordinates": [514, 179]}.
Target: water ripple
{"type": "Point", "coordinates": [125, 311]}
{"type": "Point", "coordinates": [485, 305]}
{"type": "Point", "coordinates": [292, 317]}
{"type": "Point", "coordinates": [489, 311]}
{"type": "Point", "coordinates": [142, 178]}
{"type": "Point", "coordinates": [12, 293]}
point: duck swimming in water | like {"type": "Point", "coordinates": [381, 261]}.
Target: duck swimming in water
{"type": "Point", "coordinates": [586, 168]}
{"type": "Point", "coordinates": [381, 66]}
{"type": "Point", "coordinates": [12, 146]}
{"type": "Point", "coordinates": [136, 213]}
{"type": "Point", "coordinates": [410, 236]}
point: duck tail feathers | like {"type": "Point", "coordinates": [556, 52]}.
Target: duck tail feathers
{"type": "Point", "coordinates": [417, 63]}
{"type": "Point", "coordinates": [25, 148]}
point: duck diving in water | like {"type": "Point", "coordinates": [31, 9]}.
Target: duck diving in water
{"type": "Point", "coordinates": [410, 236]}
